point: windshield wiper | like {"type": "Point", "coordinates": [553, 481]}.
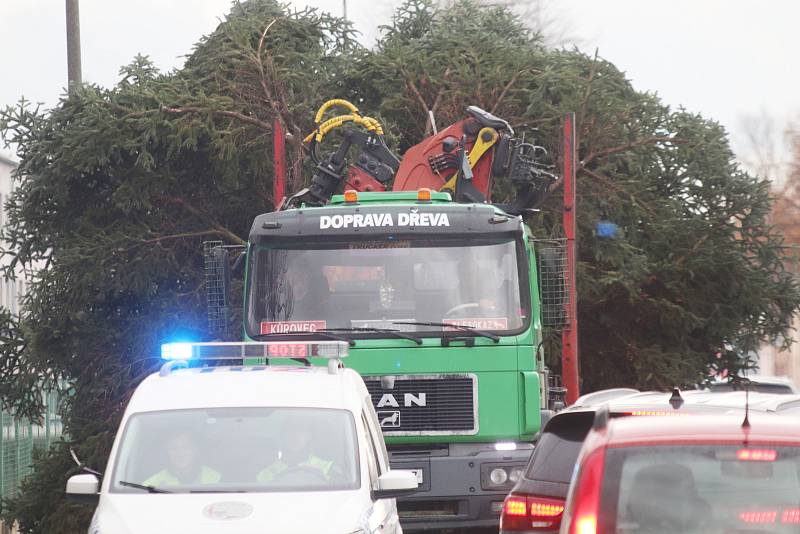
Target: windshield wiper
{"type": "Point", "coordinates": [323, 333]}
{"type": "Point", "coordinates": [149, 489]}
{"type": "Point", "coordinates": [465, 328]}
{"type": "Point", "coordinates": [396, 333]}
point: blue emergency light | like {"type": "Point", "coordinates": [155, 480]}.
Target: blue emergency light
{"type": "Point", "coordinates": [176, 351]}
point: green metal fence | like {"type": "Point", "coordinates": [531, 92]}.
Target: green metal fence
{"type": "Point", "coordinates": [19, 439]}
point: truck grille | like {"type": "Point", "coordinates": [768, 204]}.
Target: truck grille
{"type": "Point", "coordinates": [426, 404]}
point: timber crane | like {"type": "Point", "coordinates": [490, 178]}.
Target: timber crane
{"type": "Point", "coordinates": [463, 159]}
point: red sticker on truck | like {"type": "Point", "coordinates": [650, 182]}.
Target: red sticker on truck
{"type": "Point", "coordinates": [480, 323]}
{"type": "Point", "coordinates": [283, 327]}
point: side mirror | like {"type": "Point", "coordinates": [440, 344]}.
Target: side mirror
{"type": "Point", "coordinates": [218, 283]}
{"type": "Point", "coordinates": [395, 483]}
{"type": "Point", "coordinates": [83, 488]}
{"type": "Point", "coordinates": [82, 465]}
{"type": "Point", "coordinates": [553, 283]}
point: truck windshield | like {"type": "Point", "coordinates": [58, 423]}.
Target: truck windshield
{"type": "Point", "coordinates": [238, 450]}
{"type": "Point", "coordinates": [378, 284]}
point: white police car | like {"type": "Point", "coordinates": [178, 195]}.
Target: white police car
{"type": "Point", "coordinates": [248, 449]}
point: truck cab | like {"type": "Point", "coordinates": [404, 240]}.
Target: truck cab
{"type": "Point", "coordinates": [439, 304]}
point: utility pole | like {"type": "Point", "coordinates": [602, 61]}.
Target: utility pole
{"type": "Point", "coordinates": [570, 370]}
{"type": "Point", "coordinates": [73, 43]}
{"type": "Point", "coordinates": [344, 10]}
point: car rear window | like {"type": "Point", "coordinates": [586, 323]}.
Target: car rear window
{"type": "Point", "coordinates": [701, 488]}
{"type": "Point", "coordinates": [557, 449]}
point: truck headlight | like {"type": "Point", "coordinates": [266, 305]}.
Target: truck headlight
{"type": "Point", "coordinates": [515, 474]}
{"type": "Point", "coordinates": [500, 476]}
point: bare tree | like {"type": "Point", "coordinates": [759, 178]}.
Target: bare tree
{"type": "Point", "coordinates": [786, 212]}
{"type": "Point", "coordinates": [764, 146]}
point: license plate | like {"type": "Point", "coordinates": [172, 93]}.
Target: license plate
{"type": "Point", "coordinates": [418, 474]}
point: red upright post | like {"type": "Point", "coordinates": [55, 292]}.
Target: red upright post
{"type": "Point", "coordinates": [279, 161]}
{"type": "Point", "coordinates": [569, 336]}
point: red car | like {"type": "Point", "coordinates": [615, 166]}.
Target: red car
{"type": "Point", "coordinates": [720, 474]}
{"type": "Point", "coordinates": [536, 502]}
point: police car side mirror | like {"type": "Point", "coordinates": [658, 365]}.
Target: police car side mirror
{"type": "Point", "coordinates": [83, 488]}
{"type": "Point", "coordinates": [395, 483]}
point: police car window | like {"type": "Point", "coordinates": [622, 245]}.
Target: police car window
{"type": "Point", "coordinates": [376, 436]}
{"type": "Point", "coordinates": [372, 458]}
{"type": "Point", "coordinates": [239, 449]}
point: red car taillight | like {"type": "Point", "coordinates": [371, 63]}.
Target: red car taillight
{"type": "Point", "coordinates": [530, 513]}
{"type": "Point", "coordinates": [586, 501]}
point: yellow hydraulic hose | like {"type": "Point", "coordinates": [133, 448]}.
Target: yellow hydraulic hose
{"type": "Point", "coordinates": [369, 123]}
{"type": "Point", "coordinates": [332, 103]}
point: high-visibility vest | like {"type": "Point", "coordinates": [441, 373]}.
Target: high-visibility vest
{"type": "Point", "coordinates": [279, 466]}
{"type": "Point", "coordinates": [165, 478]}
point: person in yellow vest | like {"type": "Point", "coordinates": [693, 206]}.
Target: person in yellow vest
{"type": "Point", "coordinates": [297, 456]}
{"type": "Point", "coordinates": [183, 469]}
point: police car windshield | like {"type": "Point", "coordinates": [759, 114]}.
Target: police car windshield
{"type": "Point", "coordinates": [476, 283]}
{"type": "Point", "coordinates": [238, 450]}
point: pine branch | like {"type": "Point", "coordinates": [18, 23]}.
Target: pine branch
{"type": "Point", "coordinates": [438, 99]}
{"type": "Point", "coordinates": [184, 235]}
{"type": "Point", "coordinates": [413, 88]}
{"type": "Point", "coordinates": [203, 215]}
{"type": "Point", "coordinates": [627, 146]}
{"type": "Point", "coordinates": [260, 64]}
{"type": "Point", "coordinates": [610, 183]}
{"type": "Point", "coordinates": [222, 113]}
{"type": "Point", "coordinates": [507, 87]}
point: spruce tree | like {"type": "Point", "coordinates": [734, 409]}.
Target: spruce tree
{"type": "Point", "coordinates": [118, 187]}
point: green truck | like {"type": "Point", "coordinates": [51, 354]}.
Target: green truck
{"type": "Point", "coordinates": [440, 302]}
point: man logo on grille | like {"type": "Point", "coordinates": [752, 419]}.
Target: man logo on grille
{"type": "Point", "coordinates": [409, 399]}
{"type": "Point", "coordinates": [389, 419]}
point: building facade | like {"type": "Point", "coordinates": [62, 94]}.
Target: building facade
{"type": "Point", "coordinates": [10, 290]}
{"type": "Point", "coordinates": [19, 437]}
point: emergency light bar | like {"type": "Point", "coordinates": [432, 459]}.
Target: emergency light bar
{"type": "Point", "coordinates": [240, 351]}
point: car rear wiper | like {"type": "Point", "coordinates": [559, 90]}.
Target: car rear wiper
{"type": "Point", "coordinates": [323, 333]}
{"type": "Point", "coordinates": [390, 331]}
{"type": "Point", "coordinates": [483, 333]}
{"type": "Point", "coordinates": [149, 489]}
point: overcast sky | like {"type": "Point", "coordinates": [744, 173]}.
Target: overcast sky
{"type": "Point", "coordinates": [726, 59]}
